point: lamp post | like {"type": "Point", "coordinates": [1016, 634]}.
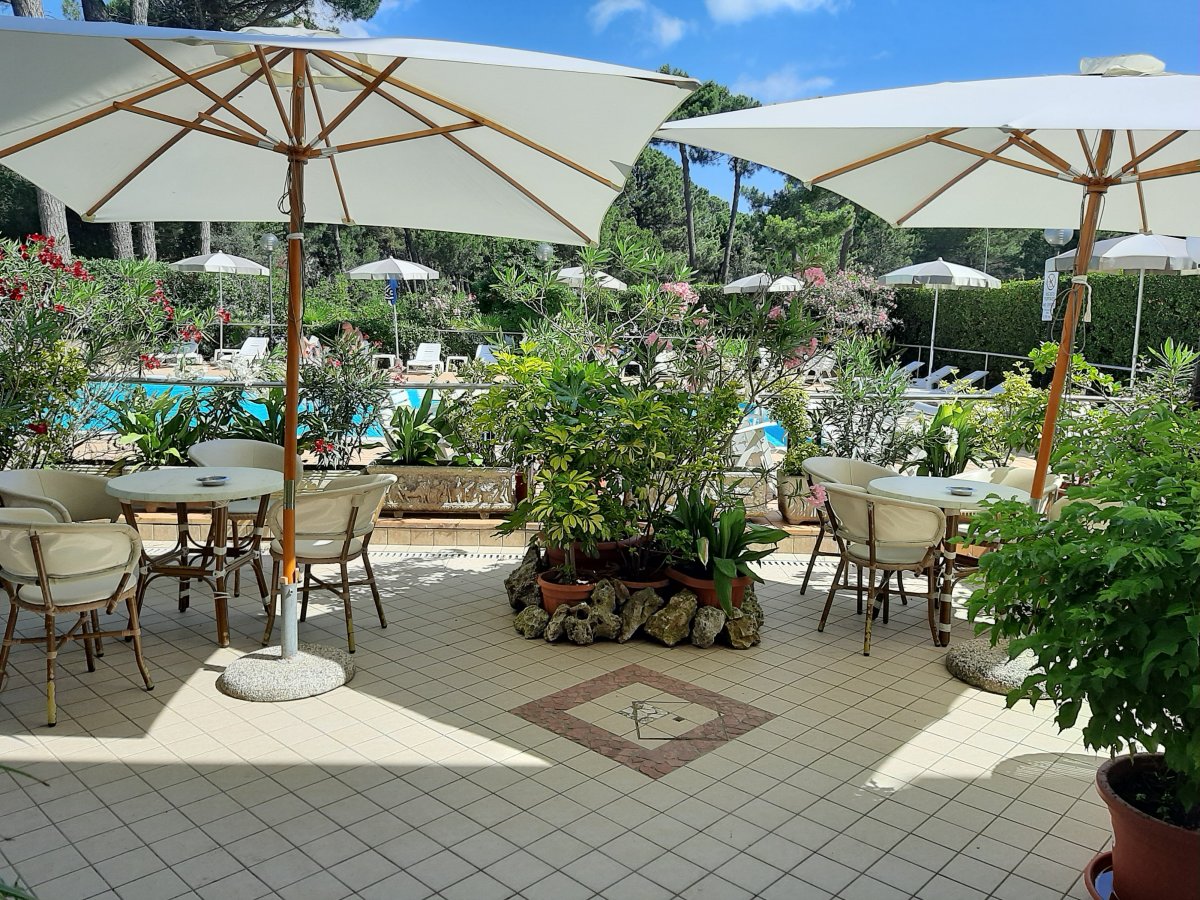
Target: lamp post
{"type": "Point", "coordinates": [269, 243]}
{"type": "Point", "coordinates": [543, 252]}
{"type": "Point", "coordinates": [1058, 237]}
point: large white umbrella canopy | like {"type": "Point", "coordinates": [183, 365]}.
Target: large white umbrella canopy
{"type": "Point", "coordinates": [1139, 253]}
{"type": "Point", "coordinates": [754, 284]}
{"type": "Point", "coordinates": [221, 264]}
{"type": "Point", "coordinates": [939, 274]}
{"type": "Point", "coordinates": [392, 269]}
{"type": "Point", "coordinates": [129, 123]}
{"type": "Point", "coordinates": [1005, 153]}
{"type": "Point", "coordinates": [573, 276]}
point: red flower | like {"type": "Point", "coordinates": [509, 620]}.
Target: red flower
{"type": "Point", "coordinates": [223, 315]}
{"type": "Point", "coordinates": [323, 446]}
{"type": "Point", "coordinates": [336, 363]}
{"type": "Point", "coordinates": [38, 427]}
{"type": "Point", "coordinates": [59, 308]}
{"type": "Point", "coordinates": [150, 362]}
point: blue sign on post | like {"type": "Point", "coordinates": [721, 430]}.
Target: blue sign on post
{"type": "Point", "coordinates": [391, 291]}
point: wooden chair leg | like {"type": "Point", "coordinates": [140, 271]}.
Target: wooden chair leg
{"type": "Point", "coordinates": [51, 655]}
{"type": "Point", "coordinates": [9, 628]}
{"type": "Point", "coordinates": [98, 641]}
{"type": "Point", "coordinates": [931, 598]}
{"type": "Point", "coordinates": [887, 595]}
{"type": "Point", "coordinates": [858, 577]}
{"type": "Point", "coordinates": [271, 602]}
{"type": "Point", "coordinates": [870, 612]}
{"type": "Point", "coordinates": [260, 576]}
{"type": "Point", "coordinates": [136, 626]}
{"type": "Point", "coordinates": [833, 588]}
{"type": "Point", "coordinates": [374, 590]}
{"type": "Point", "coordinates": [900, 587]}
{"type": "Point", "coordinates": [346, 604]}
{"type": "Point", "coordinates": [304, 593]}
{"type": "Point", "coordinates": [85, 634]}
{"type": "Point", "coordinates": [812, 559]}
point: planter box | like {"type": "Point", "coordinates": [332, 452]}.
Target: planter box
{"type": "Point", "coordinates": [753, 488]}
{"type": "Point", "coordinates": [793, 500]}
{"type": "Point", "coordinates": [448, 489]}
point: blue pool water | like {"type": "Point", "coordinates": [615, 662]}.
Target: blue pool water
{"type": "Point", "coordinates": [774, 432]}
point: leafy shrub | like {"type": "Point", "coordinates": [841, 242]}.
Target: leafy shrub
{"type": "Point", "coordinates": [340, 400]}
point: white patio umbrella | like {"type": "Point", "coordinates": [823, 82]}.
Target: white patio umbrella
{"type": "Point", "coordinates": [392, 269]}
{"type": "Point", "coordinates": [1005, 153]}
{"type": "Point", "coordinates": [222, 264]}
{"type": "Point", "coordinates": [130, 123]}
{"type": "Point", "coordinates": [573, 277]}
{"type": "Point", "coordinates": [754, 284]}
{"type": "Point", "coordinates": [1139, 253]}
{"type": "Point", "coordinates": [939, 274]}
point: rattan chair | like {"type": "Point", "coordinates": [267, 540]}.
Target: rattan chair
{"type": "Point", "coordinates": [66, 496]}
{"type": "Point", "coordinates": [880, 535]}
{"type": "Point", "coordinates": [54, 569]}
{"type": "Point", "coordinates": [835, 470]}
{"type": "Point", "coordinates": [333, 527]}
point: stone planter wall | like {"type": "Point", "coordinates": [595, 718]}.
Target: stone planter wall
{"type": "Point", "coordinates": [753, 487]}
{"type": "Point", "coordinates": [448, 489]}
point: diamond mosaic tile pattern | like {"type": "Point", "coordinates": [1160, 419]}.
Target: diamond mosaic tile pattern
{"type": "Point", "coordinates": [869, 779]}
{"type": "Point", "coordinates": [655, 745]}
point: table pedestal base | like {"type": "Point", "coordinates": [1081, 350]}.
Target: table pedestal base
{"type": "Point", "coordinates": [265, 676]}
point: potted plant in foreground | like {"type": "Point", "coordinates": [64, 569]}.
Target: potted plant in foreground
{"type": "Point", "coordinates": [1107, 597]}
{"type": "Point", "coordinates": [714, 550]}
{"type": "Point", "coordinates": [790, 409]}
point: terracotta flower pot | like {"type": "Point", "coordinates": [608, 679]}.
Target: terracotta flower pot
{"type": "Point", "coordinates": [607, 555]}
{"type": "Point", "coordinates": [705, 589]}
{"type": "Point", "coordinates": [1097, 876]}
{"type": "Point", "coordinates": [554, 594]}
{"type": "Point", "coordinates": [657, 584]}
{"type": "Point", "coordinates": [1151, 859]}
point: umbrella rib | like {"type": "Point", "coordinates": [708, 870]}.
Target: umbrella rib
{"type": "Point", "coordinates": [885, 154]}
{"type": "Point", "coordinates": [148, 94]}
{"type": "Point", "coordinates": [407, 136]}
{"type": "Point", "coordinates": [228, 126]}
{"type": "Point", "coordinates": [198, 85]}
{"type": "Point", "coordinates": [1149, 151]}
{"type": "Point", "coordinates": [337, 176]}
{"type": "Point", "coordinates": [1087, 151]}
{"type": "Point", "coordinates": [194, 126]}
{"type": "Point", "coordinates": [265, 66]}
{"type": "Point", "coordinates": [973, 167]}
{"type": "Point", "coordinates": [1184, 168]}
{"type": "Point", "coordinates": [483, 120]}
{"type": "Point", "coordinates": [1028, 167]}
{"type": "Point", "coordinates": [1141, 194]}
{"type": "Point", "coordinates": [180, 135]}
{"type": "Point", "coordinates": [354, 104]}
{"type": "Point", "coordinates": [1040, 151]}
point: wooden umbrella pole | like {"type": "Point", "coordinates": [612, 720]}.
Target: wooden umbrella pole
{"type": "Point", "coordinates": [1062, 364]}
{"type": "Point", "coordinates": [295, 261]}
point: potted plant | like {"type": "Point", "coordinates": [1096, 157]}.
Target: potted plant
{"type": "Point", "coordinates": [570, 511]}
{"type": "Point", "coordinates": [714, 550]}
{"type": "Point", "coordinates": [790, 409]}
{"type": "Point", "coordinates": [439, 463]}
{"type": "Point", "coordinates": [1107, 596]}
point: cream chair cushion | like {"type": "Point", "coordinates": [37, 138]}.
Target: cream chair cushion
{"type": "Point", "coordinates": [904, 531]}
{"type": "Point", "coordinates": [323, 516]}
{"type": "Point", "coordinates": [838, 470]}
{"type": "Point", "coordinates": [67, 496]}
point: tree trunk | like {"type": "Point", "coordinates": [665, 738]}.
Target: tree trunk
{"type": "Point", "coordinates": [723, 276]}
{"type": "Point", "coordinates": [844, 250]}
{"type": "Point", "coordinates": [94, 11]}
{"type": "Point", "coordinates": [337, 247]}
{"type": "Point", "coordinates": [410, 246]}
{"type": "Point", "coordinates": [122, 239]}
{"type": "Point", "coordinates": [139, 12]}
{"type": "Point", "coordinates": [1195, 398]}
{"type": "Point", "coordinates": [688, 220]}
{"type": "Point", "coordinates": [146, 241]}
{"type": "Point", "coordinates": [51, 212]}
{"type": "Point", "coordinates": [205, 238]}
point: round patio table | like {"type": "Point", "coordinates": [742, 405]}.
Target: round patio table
{"type": "Point", "coordinates": [936, 492]}
{"type": "Point", "coordinates": [190, 559]}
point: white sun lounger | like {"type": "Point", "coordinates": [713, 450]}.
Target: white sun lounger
{"type": "Point", "coordinates": [428, 359]}
{"type": "Point", "coordinates": [933, 379]}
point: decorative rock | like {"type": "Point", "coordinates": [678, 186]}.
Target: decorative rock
{"type": "Point", "coordinates": [605, 625]}
{"type": "Point", "coordinates": [707, 625]}
{"type": "Point", "coordinates": [554, 628]}
{"type": "Point", "coordinates": [606, 595]}
{"type": "Point", "coordinates": [577, 626]}
{"type": "Point", "coordinates": [531, 622]}
{"type": "Point", "coordinates": [742, 632]}
{"type": "Point", "coordinates": [752, 607]}
{"type": "Point", "coordinates": [266, 677]}
{"type": "Point", "coordinates": [672, 623]}
{"type": "Point", "coordinates": [988, 668]}
{"type": "Point", "coordinates": [637, 609]}
{"type": "Point", "coordinates": [521, 583]}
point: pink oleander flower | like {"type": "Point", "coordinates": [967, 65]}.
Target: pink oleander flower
{"type": "Point", "coordinates": [651, 339]}
{"type": "Point", "coordinates": [815, 276]}
{"type": "Point", "coordinates": [682, 290]}
{"type": "Point", "coordinates": [776, 313]}
{"type": "Point", "coordinates": [817, 495]}
{"type": "Point", "coordinates": [705, 345]}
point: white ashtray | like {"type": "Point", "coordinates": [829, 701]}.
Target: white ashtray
{"type": "Point", "coordinates": [212, 480]}
{"type": "Point", "coordinates": [961, 490]}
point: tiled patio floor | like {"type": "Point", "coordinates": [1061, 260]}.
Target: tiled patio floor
{"type": "Point", "coordinates": [876, 777]}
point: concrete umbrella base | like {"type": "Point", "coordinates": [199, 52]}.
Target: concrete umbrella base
{"type": "Point", "coordinates": [264, 676]}
{"type": "Point", "coordinates": [981, 665]}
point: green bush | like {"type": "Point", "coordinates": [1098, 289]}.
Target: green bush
{"type": "Point", "coordinates": [1008, 319]}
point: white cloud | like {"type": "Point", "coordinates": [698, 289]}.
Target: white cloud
{"type": "Point", "coordinates": [782, 84]}
{"type": "Point", "coordinates": [661, 28]}
{"type": "Point", "coordinates": [734, 11]}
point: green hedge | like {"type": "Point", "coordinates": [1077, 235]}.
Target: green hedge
{"type": "Point", "coordinates": [1008, 319]}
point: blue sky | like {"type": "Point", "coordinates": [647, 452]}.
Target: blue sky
{"type": "Point", "coordinates": [779, 50]}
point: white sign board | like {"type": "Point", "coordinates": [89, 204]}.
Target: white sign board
{"type": "Point", "coordinates": [1049, 295]}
